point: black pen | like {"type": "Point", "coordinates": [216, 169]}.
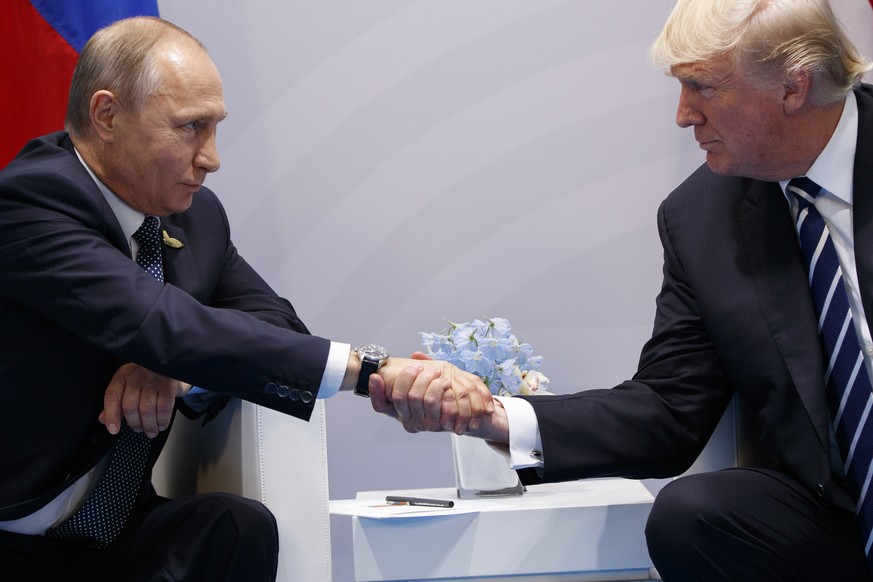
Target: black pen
{"type": "Point", "coordinates": [419, 501]}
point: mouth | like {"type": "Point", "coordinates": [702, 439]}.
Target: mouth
{"type": "Point", "coordinates": [705, 142]}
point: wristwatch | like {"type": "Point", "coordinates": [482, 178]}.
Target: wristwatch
{"type": "Point", "coordinates": [372, 358]}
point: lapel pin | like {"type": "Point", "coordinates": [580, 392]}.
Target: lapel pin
{"type": "Point", "coordinates": [171, 242]}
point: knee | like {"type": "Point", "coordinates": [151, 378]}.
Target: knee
{"type": "Point", "coordinates": [246, 536]}
{"type": "Point", "coordinates": [240, 528]}
{"type": "Point", "coordinates": [245, 517]}
{"type": "Point", "coordinates": [679, 511]}
{"type": "Point", "coordinates": [210, 536]}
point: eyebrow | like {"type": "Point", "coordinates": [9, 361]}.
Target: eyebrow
{"type": "Point", "coordinates": [202, 115]}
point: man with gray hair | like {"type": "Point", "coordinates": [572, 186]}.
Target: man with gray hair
{"type": "Point", "coordinates": [99, 350]}
{"type": "Point", "coordinates": [767, 296]}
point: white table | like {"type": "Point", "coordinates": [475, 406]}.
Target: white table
{"type": "Point", "coordinates": [582, 530]}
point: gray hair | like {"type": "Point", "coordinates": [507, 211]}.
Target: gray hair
{"type": "Point", "coordinates": [119, 58]}
{"type": "Point", "coordinates": [768, 40]}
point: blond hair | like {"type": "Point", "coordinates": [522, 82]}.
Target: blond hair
{"type": "Point", "coordinates": [768, 40]}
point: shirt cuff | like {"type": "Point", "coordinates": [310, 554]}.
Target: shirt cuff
{"type": "Point", "coordinates": [198, 399]}
{"type": "Point", "coordinates": [525, 444]}
{"type": "Point", "coordinates": [335, 369]}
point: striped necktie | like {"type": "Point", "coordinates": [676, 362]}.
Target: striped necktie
{"type": "Point", "coordinates": [848, 385]}
{"type": "Point", "coordinates": [103, 515]}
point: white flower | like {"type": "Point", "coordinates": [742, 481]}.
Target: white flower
{"type": "Point", "coordinates": [533, 382]}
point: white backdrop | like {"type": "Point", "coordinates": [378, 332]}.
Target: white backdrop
{"type": "Point", "coordinates": [389, 163]}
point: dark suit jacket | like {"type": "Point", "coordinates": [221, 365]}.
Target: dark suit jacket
{"type": "Point", "coordinates": [74, 307]}
{"type": "Point", "coordinates": [734, 315]}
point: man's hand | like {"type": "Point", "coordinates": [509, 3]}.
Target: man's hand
{"type": "Point", "coordinates": [145, 400]}
{"type": "Point", "coordinates": [430, 395]}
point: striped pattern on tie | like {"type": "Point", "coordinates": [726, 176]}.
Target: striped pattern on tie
{"type": "Point", "coordinates": [848, 384]}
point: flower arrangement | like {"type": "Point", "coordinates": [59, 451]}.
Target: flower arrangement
{"type": "Point", "coordinates": [489, 350]}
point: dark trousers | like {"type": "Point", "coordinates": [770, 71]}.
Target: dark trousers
{"type": "Point", "coordinates": [213, 537]}
{"type": "Point", "coordinates": [751, 525]}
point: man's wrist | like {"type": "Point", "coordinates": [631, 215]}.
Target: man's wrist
{"type": "Point", "coordinates": [371, 357]}
{"type": "Point", "coordinates": [353, 370]}
{"type": "Point", "coordinates": [494, 427]}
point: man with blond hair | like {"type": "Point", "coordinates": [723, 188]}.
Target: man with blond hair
{"type": "Point", "coordinates": [767, 296]}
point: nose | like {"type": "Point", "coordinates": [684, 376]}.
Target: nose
{"type": "Point", "coordinates": [686, 114]}
{"type": "Point", "coordinates": [207, 156]}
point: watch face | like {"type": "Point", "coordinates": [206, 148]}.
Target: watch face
{"type": "Point", "coordinates": [372, 352]}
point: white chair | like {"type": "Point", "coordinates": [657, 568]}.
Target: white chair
{"type": "Point", "coordinates": [260, 454]}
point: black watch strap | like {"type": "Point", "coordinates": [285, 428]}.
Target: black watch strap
{"type": "Point", "coordinates": [368, 367]}
{"type": "Point", "coordinates": [372, 357]}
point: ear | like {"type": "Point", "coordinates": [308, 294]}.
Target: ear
{"type": "Point", "coordinates": [796, 91]}
{"type": "Point", "coordinates": [103, 110]}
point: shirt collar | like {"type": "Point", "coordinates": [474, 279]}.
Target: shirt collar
{"type": "Point", "coordinates": [834, 167]}
{"type": "Point", "coordinates": [129, 219]}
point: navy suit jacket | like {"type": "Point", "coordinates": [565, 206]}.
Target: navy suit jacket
{"type": "Point", "coordinates": [734, 315]}
{"type": "Point", "coordinates": [74, 307]}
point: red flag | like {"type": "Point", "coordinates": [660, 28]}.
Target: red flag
{"type": "Point", "coordinates": [35, 70]}
{"type": "Point", "coordinates": [40, 42]}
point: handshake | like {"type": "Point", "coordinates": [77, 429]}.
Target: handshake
{"type": "Point", "coordinates": [431, 395]}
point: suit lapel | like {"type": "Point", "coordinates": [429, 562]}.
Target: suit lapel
{"type": "Point", "coordinates": [862, 207]}
{"type": "Point", "coordinates": [780, 280]}
{"type": "Point", "coordinates": [179, 261]}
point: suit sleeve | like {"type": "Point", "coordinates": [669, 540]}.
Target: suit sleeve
{"type": "Point", "coordinates": [236, 286]}
{"type": "Point", "coordinates": [651, 426]}
{"type": "Point", "coordinates": [233, 336]}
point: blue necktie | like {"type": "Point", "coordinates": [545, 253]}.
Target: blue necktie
{"type": "Point", "coordinates": [103, 515]}
{"type": "Point", "coordinates": [848, 385]}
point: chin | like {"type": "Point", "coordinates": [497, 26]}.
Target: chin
{"type": "Point", "coordinates": [184, 204]}
{"type": "Point", "coordinates": [720, 166]}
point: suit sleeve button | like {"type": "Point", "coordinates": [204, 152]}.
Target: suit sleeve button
{"type": "Point", "coordinates": [294, 395]}
{"type": "Point", "coordinates": [270, 388]}
{"type": "Point", "coordinates": [282, 391]}
{"type": "Point", "coordinates": [306, 396]}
